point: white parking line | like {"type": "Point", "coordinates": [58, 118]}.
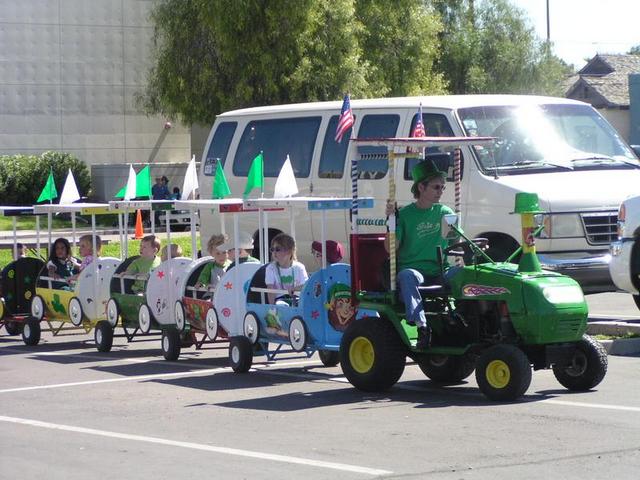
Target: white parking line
{"type": "Point", "coordinates": [592, 405]}
{"type": "Point", "coordinates": [199, 446]}
{"type": "Point", "coordinates": [152, 376]}
{"type": "Point", "coordinates": [609, 316]}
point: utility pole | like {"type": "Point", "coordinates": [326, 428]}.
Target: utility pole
{"type": "Point", "coordinates": [548, 25]}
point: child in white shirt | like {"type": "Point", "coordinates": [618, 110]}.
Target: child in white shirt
{"type": "Point", "coordinates": [284, 272]}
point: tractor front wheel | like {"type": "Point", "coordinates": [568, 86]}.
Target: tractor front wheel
{"type": "Point", "coordinates": [587, 367]}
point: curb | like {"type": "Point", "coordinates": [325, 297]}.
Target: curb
{"type": "Point", "coordinates": [622, 346]}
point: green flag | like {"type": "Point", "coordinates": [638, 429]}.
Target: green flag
{"type": "Point", "coordinates": [143, 184]}
{"type": "Point", "coordinates": [49, 191]}
{"type": "Point", "coordinates": [255, 177]}
{"type": "Point", "coordinates": [220, 186]}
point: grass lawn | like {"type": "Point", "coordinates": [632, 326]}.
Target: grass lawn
{"type": "Point", "coordinates": [112, 249]}
{"type": "Point", "coordinates": [28, 222]}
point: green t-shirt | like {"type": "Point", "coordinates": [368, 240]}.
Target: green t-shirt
{"type": "Point", "coordinates": [418, 233]}
{"type": "Point", "coordinates": [142, 265]}
{"type": "Point", "coordinates": [212, 272]}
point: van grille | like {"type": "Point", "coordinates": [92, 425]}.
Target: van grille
{"type": "Point", "coordinates": [600, 227]}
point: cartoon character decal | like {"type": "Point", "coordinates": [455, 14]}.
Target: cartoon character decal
{"type": "Point", "coordinates": [342, 310]}
{"type": "Point", "coordinates": [274, 327]}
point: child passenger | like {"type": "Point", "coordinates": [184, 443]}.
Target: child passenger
{"type": "Point", "coordinates": [335, 252]}
{"type": "Point", "coordinates": [284, 272]}
{"type": "Point", "coordinates": [85, 245]}
{"type": "Point", "coordinates": [61, 264]}
{"type": "Point", "coordinates": [176, 251]}
{"type": "Point", "coordinates": [245, 246]}
{"type": "Point", "coordinates": [21, 251]}
{"type": "Point", "coordinates": [142, 265]}
{"type": "Point", "coordinates": [213, 271]}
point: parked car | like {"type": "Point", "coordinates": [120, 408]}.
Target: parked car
{"type": "Point", "coordinates": [625, 252]}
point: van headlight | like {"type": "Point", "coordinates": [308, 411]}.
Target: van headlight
{"type": "Point", "coordinates": [562, 226]}
{"type": "Point", "coordinates": [622, 216]}
{"type": "Point", "coordinates": [563, 294]}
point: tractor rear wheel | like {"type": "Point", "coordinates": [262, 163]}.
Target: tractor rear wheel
{"type": "Point", "coordinates": [372, 354]}
{"type": "Point", "coordinates": [503, 372]}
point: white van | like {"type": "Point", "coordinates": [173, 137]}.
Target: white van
{"type": "Point", "coordinates": [561, 149]}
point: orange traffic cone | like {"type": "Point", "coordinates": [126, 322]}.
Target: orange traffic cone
{"type": "Point", "coordinates": [139, 233]}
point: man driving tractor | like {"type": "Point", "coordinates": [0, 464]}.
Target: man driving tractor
{"type": "Point", "coordinates": [418, 234]}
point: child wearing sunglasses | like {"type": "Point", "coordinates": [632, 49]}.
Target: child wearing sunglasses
{"type": "Point", "coordinates": [284, 272]}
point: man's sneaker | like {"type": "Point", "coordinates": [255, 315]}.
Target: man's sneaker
{"type": "Point", "coordinates": [424, 338]}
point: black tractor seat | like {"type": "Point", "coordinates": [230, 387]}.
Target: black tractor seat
{"type": "Point", "coordinates": [434, 290]}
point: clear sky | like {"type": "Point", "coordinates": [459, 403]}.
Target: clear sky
{"type": "Point", "coordinates": [582, 28]}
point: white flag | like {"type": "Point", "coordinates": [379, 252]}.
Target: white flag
{"type": "Point", "coordinates": [130, 192]}
{"type": "Point", "coordinates": [190, 184]}
{"type": "Point", "coordinates": [69, 191]}
{"type": "Point", "coordinates": [286, 185]}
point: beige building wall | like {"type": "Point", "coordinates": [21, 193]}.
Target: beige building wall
{"type": "Point", "coordinates": [69, 73]}
{"type": "Point", "coordinates": [619, 119]}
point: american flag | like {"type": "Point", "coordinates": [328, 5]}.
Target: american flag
{"type": "Point", "coordinates": [418, 130]}
{"type": "Point", "coordinates": [345, 122]}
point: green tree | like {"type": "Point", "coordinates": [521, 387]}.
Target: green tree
{"type": "Point", "coordinates": [400, 44]}
{"type": "Point", "coordinates": [216, 55]}
{"type": "Point", "coordinates": [490, 47]}
{"type": "Point", "coordinates": [635, 50]}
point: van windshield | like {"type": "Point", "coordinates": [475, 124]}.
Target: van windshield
{"type": "Point", "coordinates": [545, 137]}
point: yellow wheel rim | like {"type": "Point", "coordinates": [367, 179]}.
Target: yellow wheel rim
{"type": "Point", "coordinates": [498, 374]}
{"type": "Point", "coordinates": [1, 309]}
{"type": "Point", "coordinates": [361, 354]}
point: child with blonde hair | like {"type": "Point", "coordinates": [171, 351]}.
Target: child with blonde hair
{"type": "Point", "coordinates": [213, 271]}
{"type": "Point", "coordinates": [85, 246]}
{"type": "Point", "coordinates": [176, 251]}
{"type": "Point", "coordinates": [285, 272]}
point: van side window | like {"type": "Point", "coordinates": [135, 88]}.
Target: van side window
{"type": "Point", "coordinates": [435, 125]}
{"type": "Point", "coordinates": [376, 126]}
{"type": "Point", "coordinates": [220, 142]}
{"type": "Point", "coordinates": [333, 153]}
{"type": "Point", "coordinates": [278, 138]}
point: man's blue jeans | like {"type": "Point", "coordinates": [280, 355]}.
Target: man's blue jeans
{"type": "Point", "coordinates": [409, 280]}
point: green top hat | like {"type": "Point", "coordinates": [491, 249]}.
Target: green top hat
{"type": "Point", "coordinates": [422, 171]}
{"type": "Point", "coordinates": [527, 203]}
{"type": "Point", "coordinates": [339, 290]}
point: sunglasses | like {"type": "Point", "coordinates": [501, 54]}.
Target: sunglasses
{"type": "Point", "coordinates": [316, 254]}
{"type": "Point", "coordinates": [438, 188]}
{"type": "Point", "coordinates": [277, 249]}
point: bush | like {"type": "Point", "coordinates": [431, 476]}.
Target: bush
{"type": "Point", "coordinates": [22, 177]}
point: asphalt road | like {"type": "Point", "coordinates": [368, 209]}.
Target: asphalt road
{"type": "Point", "coordinates": [69, 412]}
